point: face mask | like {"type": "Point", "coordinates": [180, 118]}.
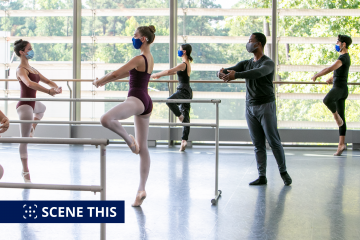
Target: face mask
{"type": "Point", "coordinates": [337, 48]}
{"type": "Point", "coordinates": [180, 53]}
{"type": "Point", "coordinates": [136, 43]}
{"type": "Point", "coordinates": [250, 47]}
{"type": "Point", "coordinates": [30, 54]}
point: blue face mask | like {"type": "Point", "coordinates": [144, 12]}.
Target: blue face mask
{"type": "Point", "coordinates": [180, 53]}
{"type": "Point", "coordinates": [30, 54]}
{"type": "Point", "coordinates": [337, 48]}
{"type": "Point", "coordinates": [136, 43]}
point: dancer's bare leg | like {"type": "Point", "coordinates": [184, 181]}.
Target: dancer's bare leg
{"type": "Point", "coordinates": [341, 146]}
{"type": "Point", "coordinates": [132, 106]}
{"type": "Point", "coordinates": [338, 119]}
{"type": "Point", "coordinates": [25, 112]}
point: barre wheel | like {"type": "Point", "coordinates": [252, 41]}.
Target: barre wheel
{"type": "Point", "coordinates": [213, 201]}
{"type": "Point", "coordinates": [220, 192]}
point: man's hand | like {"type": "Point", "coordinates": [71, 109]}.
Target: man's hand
{"type": "Point", "coordinates": [220, 74]}
{"type": "Point", "coordinates": [230, 76]}
{"type": "Point", "coordinates": [4, 125]}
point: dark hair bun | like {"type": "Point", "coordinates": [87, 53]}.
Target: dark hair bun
{"type": "Point", "coordinates": [152, 29]}
{"type": "Point", "coordinates": [18, 41]}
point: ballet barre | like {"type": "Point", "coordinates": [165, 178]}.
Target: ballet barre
{"type": "Point", "coordinates": [91, 188]}
{"type": "Point", "coordinates": [213, 125]}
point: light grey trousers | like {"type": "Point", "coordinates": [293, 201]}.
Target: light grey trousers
{"type": "Point", "coordinates": [262, 123]}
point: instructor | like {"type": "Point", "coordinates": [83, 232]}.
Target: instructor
{"type": "Point", "coordinates": [260, 105]}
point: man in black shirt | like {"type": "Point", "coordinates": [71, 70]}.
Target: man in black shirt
{"type": "Point", "coordinates": [260, 105]}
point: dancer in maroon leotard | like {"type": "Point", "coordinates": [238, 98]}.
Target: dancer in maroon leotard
{"type": "Point", "coordinates": [29, 79]}
{"type": "Point", "coordinates": [138, 103]}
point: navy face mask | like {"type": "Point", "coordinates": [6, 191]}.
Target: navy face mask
{"type": "Point", "coordinates": [337, 48]}
{"type": "Point", "coordinates": [136, 43]}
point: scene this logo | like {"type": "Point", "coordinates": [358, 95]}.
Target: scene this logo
{"type": "Point", "coordinates": [62, 212]}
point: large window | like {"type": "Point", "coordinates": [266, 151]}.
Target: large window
{"type": "Point", "coordinates": [47, 25]}
{"type": "Point", "coordinates": [107, 30]}
{"type": "Point", "coordinates": [307, 40]}
{"type": "Point", "coordinates": [218, 32]}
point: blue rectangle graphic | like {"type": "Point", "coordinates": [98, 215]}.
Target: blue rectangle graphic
{"type": "Point", "coordinates": [62, 211]}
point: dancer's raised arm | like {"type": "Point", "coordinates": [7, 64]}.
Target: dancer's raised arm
{"type": "Point", "coordinates": [122, 72]}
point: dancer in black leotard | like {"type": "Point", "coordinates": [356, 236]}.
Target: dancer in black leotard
{"type": "Point", "coordinates": [184, 90]}
{"type": "Point", "coordinates": [335, 99]}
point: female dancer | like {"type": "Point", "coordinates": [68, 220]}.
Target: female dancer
{"type": "Point", "coordinates": [137, 104]}
{"type": "Point", "coordinates": [335, 99]}
{"type": "Point", "coordinates": [29, 79]}
{"type": "Point", "coordinates": [184, 90]}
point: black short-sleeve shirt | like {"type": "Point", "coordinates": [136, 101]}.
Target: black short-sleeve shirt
{"type": "Point", "coordinates": [341, 74]}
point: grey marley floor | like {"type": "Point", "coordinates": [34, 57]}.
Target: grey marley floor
{"type": "Point", "coordinates": [322, 203]}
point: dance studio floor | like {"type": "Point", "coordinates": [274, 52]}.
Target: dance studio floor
{"type": "Point", "coordinates": [322, 203]}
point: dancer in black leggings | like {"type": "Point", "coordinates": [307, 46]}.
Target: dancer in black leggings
{"type": "Point", "coordinates": [335, 99]}
{"type": "Point", "coordinates": [184, 91]}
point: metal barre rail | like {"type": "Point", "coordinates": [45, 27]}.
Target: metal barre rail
{"type": "Point", "coordinates": [92, 188]}
{"type": "Point", "coordinates": [107, 100]}
{"type": "Point", "coordinates": [191, 81]}
{"type": "Point", "coordinates": [123, 123]}
{"type": "Point", "coordinates": [91, 141]}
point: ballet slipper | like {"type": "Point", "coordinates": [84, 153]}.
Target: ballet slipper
{"type": "Point", "coordinates": [23, 174]}
{"type": "Point", "coordinates": [134, 143]}
{"type": "Point", "coordinates": [183, 146]}
{"type": "Point", "coordinates": [140, 197]}
{"type": "Point", "coordinates": [181, 118]}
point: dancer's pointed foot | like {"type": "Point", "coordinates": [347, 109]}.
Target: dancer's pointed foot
{"type": "Point", "coordinates": [26, 176]}
{"type": "Point", "coordinates": [183, 145]}
{"type": "Point", "coordinates": [140, 197]}
{"type": "Point", "coordinates": [181, 118]}
{"type": "Point", "coordinates": [134, 146]}
{"type": "Point", "coordinates": [338, 119]}
{"type": "Point", "coordinates": [340, 150]}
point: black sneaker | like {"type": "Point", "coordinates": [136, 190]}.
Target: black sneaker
{"type": "Point", "coordinates": [286, 178]}
{"type": "Point", "coordinates": [260, 181]}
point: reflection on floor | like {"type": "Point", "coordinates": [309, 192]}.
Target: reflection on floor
{"type": "Point", "coordinates": [322, 203]}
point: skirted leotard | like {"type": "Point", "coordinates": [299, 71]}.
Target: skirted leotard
{"type": "Point", "coordinates": [139, 87]}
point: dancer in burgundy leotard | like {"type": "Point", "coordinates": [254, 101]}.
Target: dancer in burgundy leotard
{"type": "Point", "coordinates": [138, 103]}
{"type": "Point", "coordinates": [29, 79]}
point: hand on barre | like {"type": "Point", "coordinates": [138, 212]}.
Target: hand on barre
{"type": "Point", "coordinates": [330, 81]}
{"type": "Point", "coordinates": [58, 90]}
{"type": "Point", "coordinates": [314, 78]}
{"type": "Point", "coordinates": [154, 76]}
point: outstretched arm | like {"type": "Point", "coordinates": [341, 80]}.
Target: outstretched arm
{"type": "Point", "coordinates": [237, 68]}
{"type": "Point", "coordinates": [120, 73]}
{"type": "Point", "coordinates": [325, 71]}
{"type": "Point", "coordinates": [22, 74]}
{"type": "Point", "coordinates": [265, 69]}
{"type": "Point", "coordinates": [50, 83]}
{"type": "Point", "coordinates": [172, 71]}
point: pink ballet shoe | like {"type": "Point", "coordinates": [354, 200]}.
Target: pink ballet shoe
{"type": "Point", "coordinates": [32, 132]}
{"type": "Point", "coordinates": [140, 197]}
{"type": "Point", "coordinates": [181, 118]}
{"type": "Point", "coordinates": [134, 143]}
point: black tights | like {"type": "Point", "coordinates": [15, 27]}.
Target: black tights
{"type": "Point", "coordinates": [335, 101]}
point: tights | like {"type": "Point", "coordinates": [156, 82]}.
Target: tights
{"type": "Point", "coordinates": [26, 112]}
{"type": "Point", "coordinates": [132, 107]}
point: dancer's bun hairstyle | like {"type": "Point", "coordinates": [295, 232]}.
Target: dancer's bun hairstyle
{"type": "Point", "coordinates": [20, 45]}
{"type": "Point", "coordinates": [148, 32]}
